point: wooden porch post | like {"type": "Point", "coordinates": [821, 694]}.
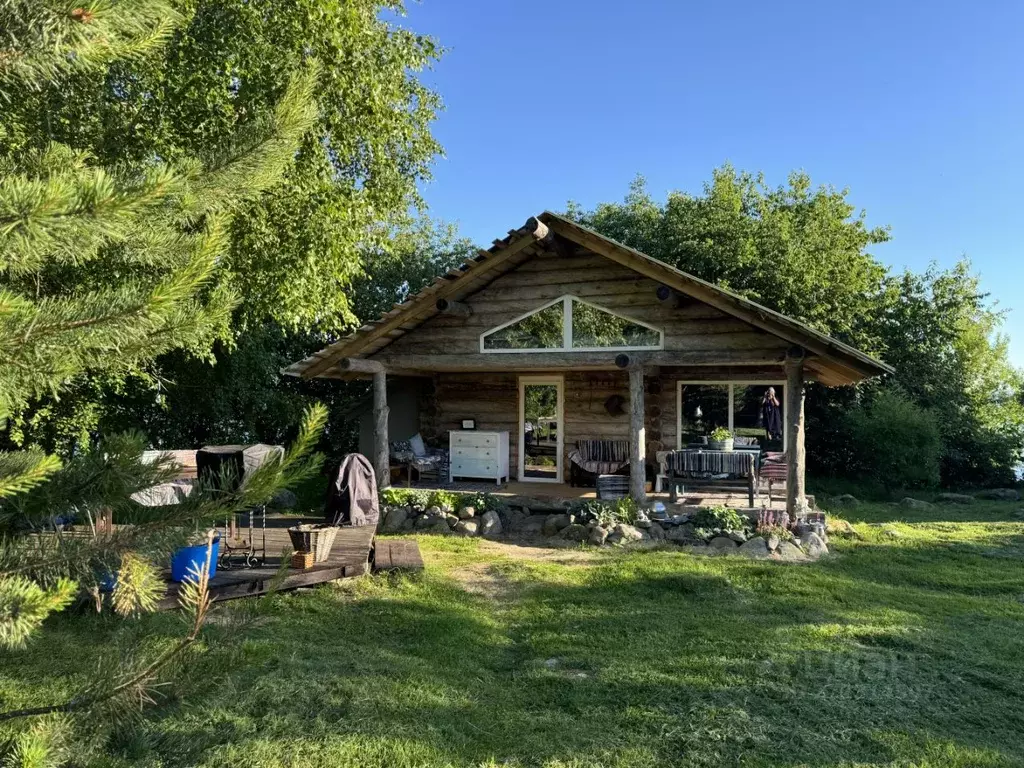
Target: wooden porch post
{"type": "Point", "coordinates": [796, 455]}
{"type": "Point", "coordinates": [637, 436]}
{"type": "Point", "coordinates": [381, 466]}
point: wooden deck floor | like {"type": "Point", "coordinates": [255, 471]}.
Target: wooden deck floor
{"type": "Point", "coordinates": [351, 555]}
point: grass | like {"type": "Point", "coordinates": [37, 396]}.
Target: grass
{"type": "Point", "coordinates": [903, 649]}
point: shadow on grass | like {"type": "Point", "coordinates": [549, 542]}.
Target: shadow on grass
{"type": "Point", "coordinates": [879, 655]}
{"type": "Point", "coordinates": [887, 653]}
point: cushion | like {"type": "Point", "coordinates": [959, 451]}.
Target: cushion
{"type": "Point", "coordinates": [417, 445]}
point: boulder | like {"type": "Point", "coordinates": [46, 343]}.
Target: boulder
{"type": "Point", "coordinates": [435, 511]}
{"type": "Point", "coordinates": [911, 503]}
{"type": "Point", "coordinates": [427, 521]}
{"type": "Point", "coordinates": [451, 519]}
{"type": "Point", "coordinates": [999, 494]}
{"type": "Point", "coordinates": [284, 499]}
{"type": "Point", "coordinates": [468, 527]}
{"type": "Point", "coordinates": [575, 532]}
{"type": "Point", "coordinates": [812, 544]}
{"type": "Point", "coordinates": [623, 534]}
{"type": "Point", "coordinates": [532, 524]}
{"type": "Point", "coordinates": [846, 500]}
{"type": "Point", "coordinates": [395, 520]}
{"type": "Point", "coordinates": [554, 523]}
{"type": "Point", "coordinates": [722, 543]}
{"type": "Point", "coordinates": [467, 513]}
{"type": "Point", "coordinates": [738, 536]}
{"type": "Point", "coordinates": [789, 552]}
{"type": "Point", "coordinates": [656, 532]}
{"type": "Point", "coordinates": [756, 548]}
{"type": "Point", "coordinates": [597, 535]}
{"type": "Point", "coordinates": [773, 542]}
{"type": "Point", "coordinates": [441, 526]}
{"type": "Point", "coordinates": [954, 498]}
{"type": "Point", "coordinates": [514, 520]}
{"type": "Point", "coordinates": [680, 533]}
{"type": "Point", "coordinates": [490, 524]}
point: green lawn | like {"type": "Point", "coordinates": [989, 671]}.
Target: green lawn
{"type": "Point", "coordinates": [905, 648]}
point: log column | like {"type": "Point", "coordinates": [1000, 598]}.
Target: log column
{"type": "Point", "coordinates": [381, 464]}
{"type": "Point", "coordinates": [796, 454]}
{"type": "Point", "coordinates": [637, 436]}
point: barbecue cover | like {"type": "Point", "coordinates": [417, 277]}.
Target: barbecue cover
{"type": "Point", "coordinates": [236, 462]}
{"type": "Point", "coordinates": [352, 495]}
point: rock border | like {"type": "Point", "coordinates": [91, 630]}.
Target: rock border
{"type": "Point", "coordinates": [809, 541]}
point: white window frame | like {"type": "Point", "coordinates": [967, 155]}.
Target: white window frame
{"type": "Point", "coordinates": [731, 385]}
{"type": "Point", "coordinates": [566, 302]}
{"type": "Point", "coordinates": [559, 382]}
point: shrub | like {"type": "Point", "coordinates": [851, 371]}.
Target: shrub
{"type": "Point", "coordinates": [404, 497]}
{"type": "Point", "coordinates": [771, 523]}
{"type": "Point", "coordinates": [607, 513]}
{"type": "Point", "coordinates": [897, 441]}
{"type": "Point", "coordinates": [444, 500]}
{"type": "Point", "coordinates": [719, 517]}
{"type": "Point", "coordinates": [481, 502]}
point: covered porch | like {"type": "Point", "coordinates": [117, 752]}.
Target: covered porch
{"type": "Point", "coordinates": [645, 412]}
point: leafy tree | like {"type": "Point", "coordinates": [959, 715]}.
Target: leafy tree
{"type": "Point", "coordinates": [214, 72]}
{"type": "Point", "coordinates": [899, 441]}
{"type": "Point", "coordinates": [239, 396]}
{"type": "Point", "coordinates": [942, 335]}
{"type": "Point", "coordinates": [765, 243]}
{"type": "Point", "coordinates": [104, 266]}
{"type": "Point", "coordinates": [805, 251]}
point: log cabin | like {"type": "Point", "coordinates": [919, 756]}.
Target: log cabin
{"type": "Point", "coordinates": [557, 337]}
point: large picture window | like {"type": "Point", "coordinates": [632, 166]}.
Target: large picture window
{"type": "Point", "coordinates": [739, 406]}
{"type": "Point", "coordinates": [569, 324]}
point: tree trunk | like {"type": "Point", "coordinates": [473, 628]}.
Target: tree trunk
{"type": "Point", "coordinates": [637, 436]}
{"type": "Point", "coordinates": [796, 455]}
{"type": "Point", "coordinates": [381, 465]}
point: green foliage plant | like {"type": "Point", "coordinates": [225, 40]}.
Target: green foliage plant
{"type": "Point", "coordinates": [898, 441]}
{"type": "Point", "coordinates": [719, 517]}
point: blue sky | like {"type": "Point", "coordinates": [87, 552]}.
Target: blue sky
{"type": "Point", "coordinates": [916, 107]}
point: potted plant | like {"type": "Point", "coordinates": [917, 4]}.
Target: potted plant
{"type": "Point", "coordinates": [720, 439]}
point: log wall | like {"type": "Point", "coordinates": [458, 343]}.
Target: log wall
{"type": "Point", "coordinates": [491, 397]}
{"type": "Point", "coordinates": [692, 327]}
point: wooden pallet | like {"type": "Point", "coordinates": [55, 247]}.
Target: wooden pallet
{"type": "Point", "coordinates": [349, 557]}
{"type": "Point", "coordinates": [396, 555]}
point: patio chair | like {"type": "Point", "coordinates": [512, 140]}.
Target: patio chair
{"type": "Point", "coordinates": [428, 463]}
{"type": "Point", "coordinates": [773, 470]}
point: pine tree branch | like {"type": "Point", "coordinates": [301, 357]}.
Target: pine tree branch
{"type": "Point", "coordinates": [196, 598]}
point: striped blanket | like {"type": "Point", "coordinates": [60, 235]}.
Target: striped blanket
{"type": "Point", "coordinates": [601, 457]}
{"type": "Point", "coordinates": [690, 462]}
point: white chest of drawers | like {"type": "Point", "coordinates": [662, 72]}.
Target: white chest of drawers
{"type": "Point", "coordinates": [478, 454]}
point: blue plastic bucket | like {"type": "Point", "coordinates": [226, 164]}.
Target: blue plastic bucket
{"type": "Point", "coordinates": [188, 561]}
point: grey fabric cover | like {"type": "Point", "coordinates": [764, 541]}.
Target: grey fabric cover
{"type": "Point", "coordinates": [352, 496]}
{"type": "Point", "coordinates": [712, 462]}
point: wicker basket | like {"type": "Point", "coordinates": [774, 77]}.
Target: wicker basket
{"type": "Point", "coordinates": [317, 539]}
{"type": "Point", "coordinates": [302, 560]}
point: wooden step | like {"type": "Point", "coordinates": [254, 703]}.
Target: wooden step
{"type": "Point", "coordinates": [396, 555]}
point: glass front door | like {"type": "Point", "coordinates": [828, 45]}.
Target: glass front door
{"type": "Point", "coordinates": [540, 429]}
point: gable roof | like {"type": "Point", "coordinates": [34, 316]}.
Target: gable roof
{"type": "Point", "coordinates": [834, 361]}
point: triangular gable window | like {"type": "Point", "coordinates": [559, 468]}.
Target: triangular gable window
{"type": "Point", "coordinates": [569, 324]}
